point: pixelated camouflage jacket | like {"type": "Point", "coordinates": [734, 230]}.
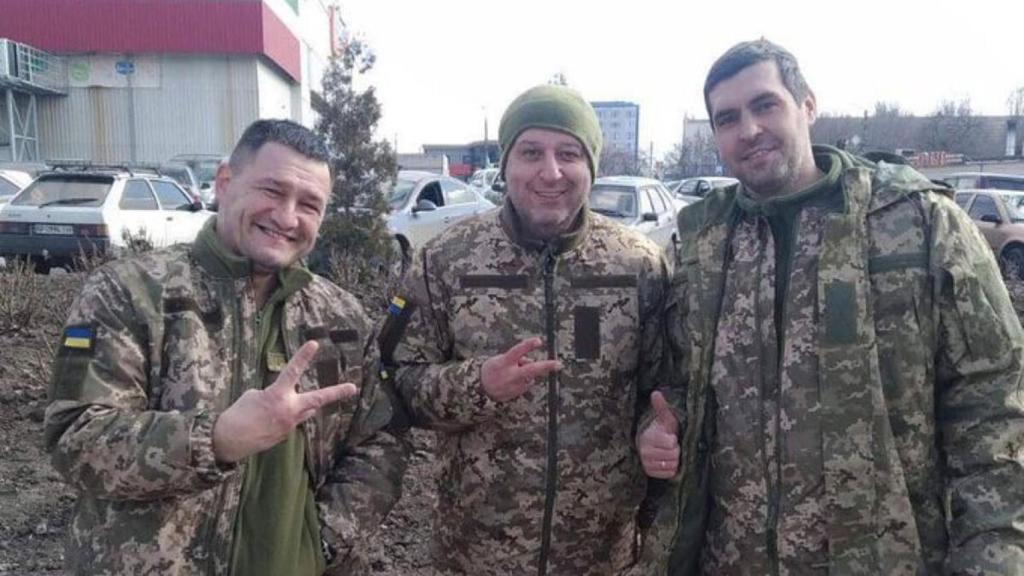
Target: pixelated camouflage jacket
{"type": "Point", "coordinates": [131, 415]}
{"type": "Point", "coordinates": [548, 482]}
{"type": "Point", "coordinates": [920, 357]}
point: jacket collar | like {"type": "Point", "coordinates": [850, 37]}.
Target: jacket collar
{"type": "Point", "coordinates": [512, 225]}
{"type": "Point", "coordinates": [218, 261]}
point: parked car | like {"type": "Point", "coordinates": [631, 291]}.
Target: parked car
{"type": "Point", "coordinates": [423, 204]}
{"type": "Point", "coordinates": [12, 182]}
{"type": "Point", "coordinates": [640, 203]}
{"type": "Point", "coordinates": [984, 180]}
{"type": "Point", "coordinates": [95, 209]}
{"type": "Point", "coordinates": [700, 186]}
{"type": "Point", "coordinates": [999, 215]}
{"type": "Point", "coordinates": [204, 168]}
{"type": "Point", "coordinates": [186, 178]}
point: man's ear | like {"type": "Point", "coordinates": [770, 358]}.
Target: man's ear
{"type": "Point", "coordinates": [810, 107]}
{"type": "Point", "coordinates": [221, 180]}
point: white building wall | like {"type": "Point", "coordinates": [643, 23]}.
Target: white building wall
{"type": "Point", "coordinates": [275, 92]}
{"type": "Point", "coordinates": [186, 104]}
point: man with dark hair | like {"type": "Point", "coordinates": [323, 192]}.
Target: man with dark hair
{"type": "Point", "coordinates": [841, 391]}
{"type": "Point", "coordinates": [205, 402]}
{"type": "Point", "coordinates": [527, 331]}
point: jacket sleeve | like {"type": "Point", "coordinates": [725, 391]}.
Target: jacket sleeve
{"type": "Point", "coordinates": [438, 390]}
{"type": "Point", "coordinates": [366, 480]}
{"type": "Point", "coordinates": [980, 408]}
{"type": "Point", "coordinates": [104, 437]}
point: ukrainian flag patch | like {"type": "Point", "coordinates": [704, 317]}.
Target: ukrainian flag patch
{"type": "Point", "coordinates": [78, 337]}
{"type": "Point", "coordinates": [397, 304]}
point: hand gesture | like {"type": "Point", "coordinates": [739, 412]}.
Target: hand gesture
{"type": "Point", "coordinates": [507, 376]}
{"type": "Point", "coordinates": [658, 444]}
{"type": "Point", "coordinates": [259, 419]}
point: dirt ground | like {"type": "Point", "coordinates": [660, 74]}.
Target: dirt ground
{"type": "Point", "coordinates": [35, 506]}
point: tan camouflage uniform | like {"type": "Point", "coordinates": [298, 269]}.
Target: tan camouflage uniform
{"type": "Point", "coordinates": [884, 434]}
{"type": "Point", "coordinates": [131, 418]}
{"type": "Point", "coordinates": [545, 483]}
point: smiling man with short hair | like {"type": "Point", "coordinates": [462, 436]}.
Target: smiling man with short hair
{"type": "Point", "coordinates": [205, 402]}
{"type": "Point", "coordinates": [842, 389]}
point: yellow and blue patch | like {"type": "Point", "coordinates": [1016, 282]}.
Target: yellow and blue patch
{"type": "Point", "coordinates": [397, 304]}
{"type": "Point", "coordinates": [78, 337]}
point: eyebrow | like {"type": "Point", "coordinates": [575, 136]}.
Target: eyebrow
{"type": "Point", "coordinates": [560, 145]}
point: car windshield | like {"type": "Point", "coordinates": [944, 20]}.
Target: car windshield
{"type": "Point", "coordinates": [1015, 206]}
{"type": "Point", "coordinates": [614, 201]}
{"type": "Point", "coordinates": [400, 192]}
{"type": "Point", "coordinates": [64, 192]}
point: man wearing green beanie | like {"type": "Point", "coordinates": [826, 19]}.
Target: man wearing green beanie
{"type": "Point", "coordinates": [526, 332]}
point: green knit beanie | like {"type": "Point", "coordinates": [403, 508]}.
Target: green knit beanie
{"type": "Point", "coordinates": [554, 107]}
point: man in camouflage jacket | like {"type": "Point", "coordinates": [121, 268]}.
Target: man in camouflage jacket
{"type": "Point", "coordinates": [538, 474]}
{"type": "Point", "coordinates": [842, 391]}
{"type": "Point", "coordinates": [196, 445]}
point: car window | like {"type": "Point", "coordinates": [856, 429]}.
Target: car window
{"type": "Point", "coordinates": [1014, 206]}
{"type": "Point", "coordinates": [171, 197]}
{"type": "Point", "coordinates": [645, 202]}
{"type": "Point", "coordinates": [137, 196]}
{"type": "Point", "coordinates": [1005, 183]}
{"type": "Point", "coordinates": [400, 192]}
{"type": "Point", "coordinates": [432, 192]}
{"type": "Point", "coordinates": [688, 187]}
{"type": "Point", "coordinates": [703, 188]}
{"type": "Point", "coordinates": [456, 192]}
{"type": "Point", "coordinates": [963, 200]}
{"type": "Point", "coordinates": [657, 200]}
{"type": "Point", "coordinates": [7, 188]}
{"type": "Point", "coordinates": [62, 191]}
{"type": "Point", "coordinates": [983, 206]}
{"type": "Point", "coordinates": [614, 201]}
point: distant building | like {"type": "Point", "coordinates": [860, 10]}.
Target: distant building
{"type": "Point", "coordinates": [464, 159]}
{"type": "Point", "coordinates": [143, 81]}
{"type": "Point", "coordinates": [620, 127]}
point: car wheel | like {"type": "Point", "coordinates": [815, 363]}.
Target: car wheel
{"type": "Point", "coordinates": [1013, 262]}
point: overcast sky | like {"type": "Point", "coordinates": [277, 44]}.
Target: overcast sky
{"type": "Point", "coordinates": [442, 65]}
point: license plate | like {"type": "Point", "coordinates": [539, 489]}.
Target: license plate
{"type": "Point", "coordinates": [53, 229]}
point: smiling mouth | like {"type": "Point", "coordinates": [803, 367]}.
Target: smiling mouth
{"type": "Point", "coordinates": [758, 154]}
{"type": "Point", "coordinates": [277, 235]}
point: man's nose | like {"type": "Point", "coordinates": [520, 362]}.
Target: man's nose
{"type": "Point", "coordinates": [285, 216]}
{"type": "Point", "coordinates": [749, 127]}
{"type": "Point", "coordinates": [550, 168]}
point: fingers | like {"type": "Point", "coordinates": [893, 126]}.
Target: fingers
{"type": "Point", "coordinates": [663, 414]}
{"type": "Point", "coordinates": [533, 370]}
{"type": "Point", "coordinates": [310, 402]}
{"type": "Point", "coordinates": [293, 371]}
{"type": "Point", "coordinates": [662, 469]}
{"type": "Point", "coordinates": [515, 354]}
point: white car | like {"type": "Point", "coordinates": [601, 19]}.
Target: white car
{"type": "Point", "coordinates": [640, 203]}
{"type": "Point", "coordinates": [697, 188]}
{"type": "Point", "coordinates": [12, 182]}
{"type": "Point", "coordinates": [65, 213]}
{"type": "Point", "coordinates": [423, 204]}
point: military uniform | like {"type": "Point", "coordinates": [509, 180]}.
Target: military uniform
{"type": "Point", "coordinates": [548, 482]}
{"type": "Point", "coordinates": [155, 348]}
{"type": "Point", "coordinates": [870, 422]}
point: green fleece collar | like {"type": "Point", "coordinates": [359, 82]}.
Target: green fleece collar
{"type": "Point", "coordinates": [829, 162]}
{"type": "Point", "coordinates": [219, 261]}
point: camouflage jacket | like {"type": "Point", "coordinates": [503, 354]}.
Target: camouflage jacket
{"type": "Point", "coordinates": [919, 356]}
{"type": "Point", "coordinates": [166, 344]}
{"type": "Point", "coordinates": [547, 482]}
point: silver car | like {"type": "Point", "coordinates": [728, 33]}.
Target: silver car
{"type": "Point", "coordinates": [423, 204]}
{"type": "Point", "coordinates": [640, 203]}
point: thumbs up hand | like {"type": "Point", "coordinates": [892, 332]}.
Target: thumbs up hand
{"type": "Point", "coordinates": [658, 444]}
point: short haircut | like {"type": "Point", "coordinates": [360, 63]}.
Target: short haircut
{"type": "Point", "coordinates": [285, 132]}
{"type": "Point", "coordinates": [747, 54]}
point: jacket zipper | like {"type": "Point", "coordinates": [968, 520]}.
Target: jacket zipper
{"type": "Point", "coordinates": [551, 480]}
